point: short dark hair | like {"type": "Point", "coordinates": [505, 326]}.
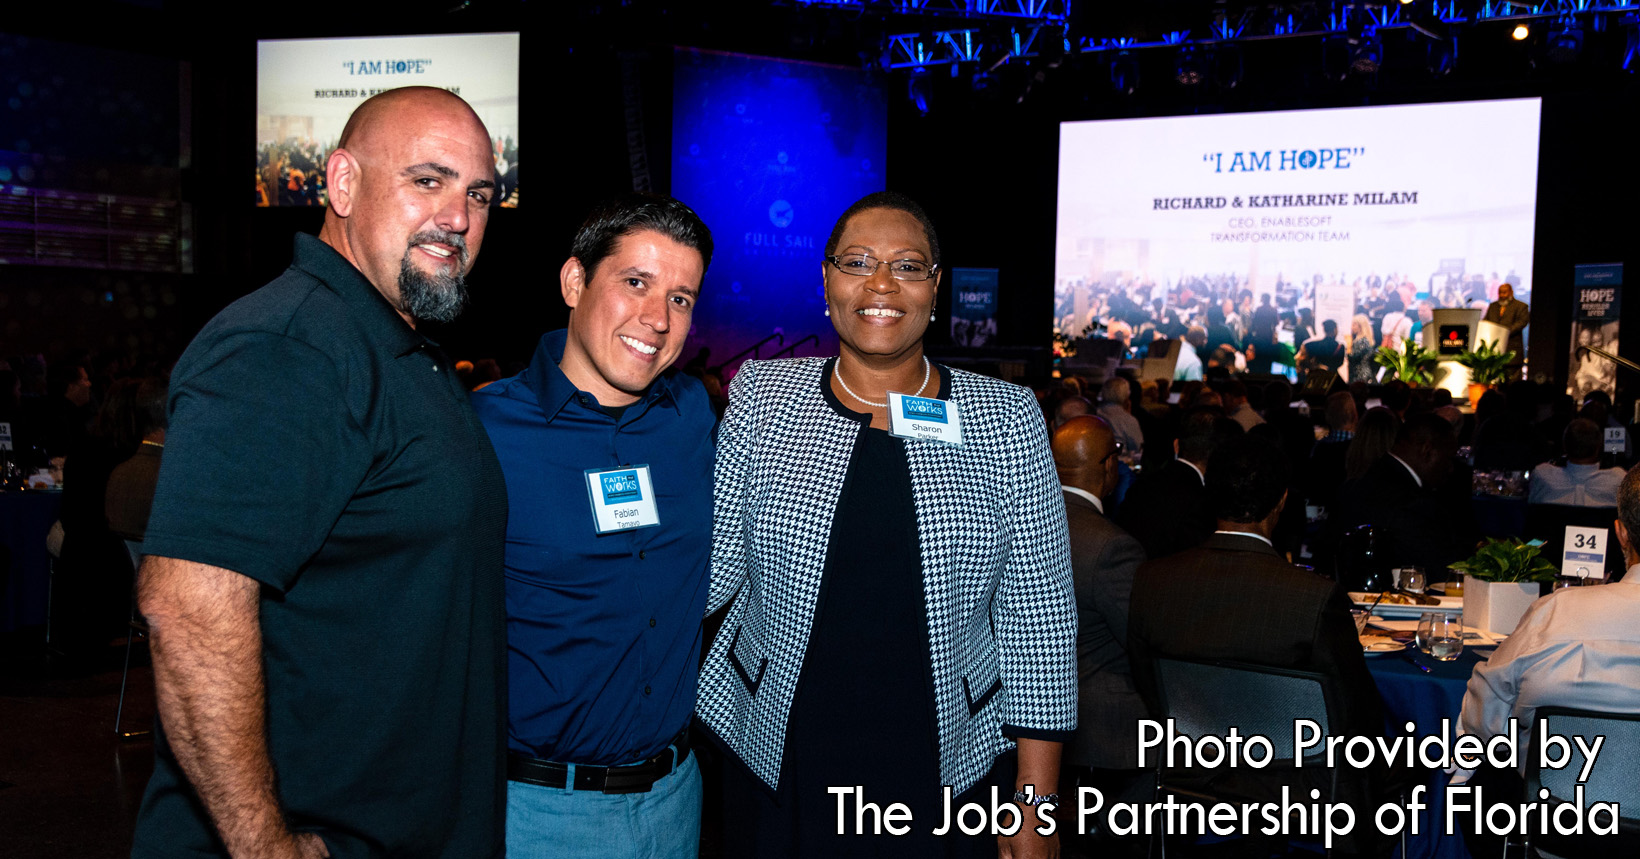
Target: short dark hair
{"type": "Point", "coordinates": [1329, 326]}
{"type": "Point", "coordinates": [1397, 396]}
{"type": "Point", "coordinates": [1582, 439]}
{"type": "Point", "coordinates": [887, 200]}
{"type": "Point", "coordinates": [1246, 479]}
{"type": "Point", "coordinates": [1202, 431]}
{"type": "Point", "coordinates": [614, 219]}
{"type": "Point", "coordinates": [1628, 508]}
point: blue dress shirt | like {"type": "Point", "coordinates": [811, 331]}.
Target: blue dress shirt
{"type": "Point", "coordinates": [603, 630]}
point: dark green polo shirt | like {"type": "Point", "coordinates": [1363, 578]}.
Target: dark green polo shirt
{"type": "Point", "coordinates": [321, 446]}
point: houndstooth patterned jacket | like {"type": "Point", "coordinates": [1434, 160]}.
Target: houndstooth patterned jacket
{"type": "Point", "coordinates": [995, 557]}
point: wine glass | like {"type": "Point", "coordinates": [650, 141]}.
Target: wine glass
{"type": "Point", "coordinates": [1445, 637]}
{"type": "Point", "coordinates": [1413, 580]}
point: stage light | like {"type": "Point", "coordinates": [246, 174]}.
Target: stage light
{"type": "Point", "coordinates": [1190, 69]}
{"type": "Point", "coordinates": [1366, 53]}
{"type": "Point", "coordinates": [918, 89]}
{"type": "Point", "coordinates": [1443, 57]}
{"type": "Point", "coordinates": [1124, 72]}
{"type": "Point", "coordinates": [1520, 33]}
{"type": "Point", "coordinates": [1565, 40]}
{"type": "Point", "coordinates": [1226, 65]}
{"type": "Point", "coordinates": [1631, 47]}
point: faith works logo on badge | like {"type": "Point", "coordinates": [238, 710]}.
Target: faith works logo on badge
{"type": "Point", "coordinates": [923, 409]}
{"type": "Point", "coordinates": [620, 487]}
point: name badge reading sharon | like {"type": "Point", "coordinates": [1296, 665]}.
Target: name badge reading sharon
{"type": "Point", "coordinates": [924, 418]}
{"type": "Point", "coordinates": [622, 498]}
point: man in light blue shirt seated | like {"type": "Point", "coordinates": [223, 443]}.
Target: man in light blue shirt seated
{"type": "Point", "coordinates": [1581, 482]}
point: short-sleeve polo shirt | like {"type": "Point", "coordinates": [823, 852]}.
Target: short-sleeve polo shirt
{"type": "Point", "coordinates": [321, 446]}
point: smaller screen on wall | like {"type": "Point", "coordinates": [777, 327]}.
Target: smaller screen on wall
{"type": "Point", "coordinates": [307, 88]}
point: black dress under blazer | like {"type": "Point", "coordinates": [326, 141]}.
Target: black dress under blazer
{"type": "Point", "coordinates": [995, 564]}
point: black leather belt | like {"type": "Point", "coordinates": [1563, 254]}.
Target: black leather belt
{"type": "Point", "coordinates": [632, 778]}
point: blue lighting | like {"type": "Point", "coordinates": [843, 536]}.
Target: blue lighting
{"type": "Point", "coordinates": [770, 152]}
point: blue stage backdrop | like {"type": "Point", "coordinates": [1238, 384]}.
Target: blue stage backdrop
{"type": "Point", "coordinates": [770, 152]}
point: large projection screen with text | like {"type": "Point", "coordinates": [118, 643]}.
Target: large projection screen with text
{"type": "Point", "coordinates": [1343, 211]}
{"type": "Point", "coordinates": [307, 88]}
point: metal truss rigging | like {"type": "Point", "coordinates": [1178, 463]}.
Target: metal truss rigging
{"type": "Point", "coordinates": [1029, 10]}
{"type": "Point", "coordinates": [991, 45]}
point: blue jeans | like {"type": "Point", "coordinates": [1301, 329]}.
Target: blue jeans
{"type": "Point", "coordinates": [661, 824]}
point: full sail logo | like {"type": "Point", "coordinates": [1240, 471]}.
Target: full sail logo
{"type": "Point", "coordinates": [923, 409]}
{"type": "Point", "coordinates": [620, 487]}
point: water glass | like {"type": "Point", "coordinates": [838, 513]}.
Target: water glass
{"type": "Point", "coordinates": [1426, 630]}
{"type": "Point", "coordinates": [1360, 616]}
{"type": "Point", "coordinates": [1413, 580]}
{"type": "Point", "coordinates": [1445, 637]}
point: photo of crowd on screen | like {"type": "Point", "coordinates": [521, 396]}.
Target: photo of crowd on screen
{"type": "Point", "coordinates": [1137, 310]}
{"type": "Point", "coordinates": [291, 172]}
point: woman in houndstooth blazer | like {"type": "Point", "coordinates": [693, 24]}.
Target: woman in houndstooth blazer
{"type": "Point", "coordinates": [903, 612]}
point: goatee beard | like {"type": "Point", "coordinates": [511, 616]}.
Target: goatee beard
{"type": "Point", "coordinates": [436, 297]}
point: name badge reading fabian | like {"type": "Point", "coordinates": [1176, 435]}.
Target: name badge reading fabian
{"type": "Point", "coordinates": [924, 418]}
{"type": "Point", "coordinates": [622, 498]}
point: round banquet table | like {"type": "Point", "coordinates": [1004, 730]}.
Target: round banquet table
{"type": "Point", "coordinates": [1410, 695]}
{"type": "Point", "coordinates": [25, 517]}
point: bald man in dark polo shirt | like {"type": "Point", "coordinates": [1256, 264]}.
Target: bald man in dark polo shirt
{"type": "Point", "coordinates": [324, 570]}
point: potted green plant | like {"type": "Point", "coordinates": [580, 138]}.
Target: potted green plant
{"type": "Point", "coordinates": [1488, 367]}
{"type": "Point", "coordinates": [1501, 582]}
{"type": "Point", "coordinates": [1413, 364]}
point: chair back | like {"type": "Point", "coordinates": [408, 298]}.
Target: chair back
{"type": "Point", "coordinates": [1616, 773]}
{"type": "Point", "coordinates": [1204, 698]}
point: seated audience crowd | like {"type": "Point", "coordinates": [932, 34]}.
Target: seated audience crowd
{"type": "Point", "coordinates": [1209, 520]}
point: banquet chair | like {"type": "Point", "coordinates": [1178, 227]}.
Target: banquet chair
{"type": "Point", "coordinates": [1614, 778]}
{"type": "Point", "coordinates": [136, 627]}
{"type": "Point", "coordinates": [1209, 698]}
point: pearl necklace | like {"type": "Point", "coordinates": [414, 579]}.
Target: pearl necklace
{"type": "Point", "coordinates": [836, 370]}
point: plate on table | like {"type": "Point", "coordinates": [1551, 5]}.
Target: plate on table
{"type": "Point", "coordinates": [1401, 606]}
{"type": "Point", "coordinates": [1382, 646]}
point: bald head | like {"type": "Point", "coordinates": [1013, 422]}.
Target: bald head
{"type": "Point", "coordinates": [1071, 407]}
{"type": "Point", "coordinates": [1083, 452]}
{"type": "Point", "coordinates": [410, 187]}
{"type": "Point", "coordinates": [385, 114]}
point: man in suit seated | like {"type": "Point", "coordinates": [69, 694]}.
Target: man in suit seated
{"type": "Point", "coordinates": [1577, 647]}
{"type": "Point", "coordinates": [1166, 510]}
{"type": "Point", "coordinates": [1581, 482]}
{"type": "Point", "coordinates": [1235, 599]}
{"type": "Point", "coordinates": [1104, 751]}
{"type": "Point", "coordinates": [1399, 495]}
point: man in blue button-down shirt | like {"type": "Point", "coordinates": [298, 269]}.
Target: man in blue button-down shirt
{"type": "Point", "coordinates": [603, 629]}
